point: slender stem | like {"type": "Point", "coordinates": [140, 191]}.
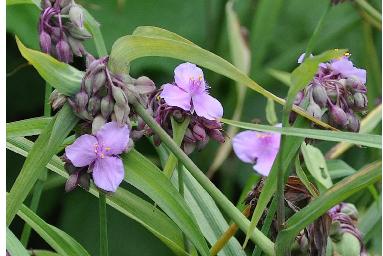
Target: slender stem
{"type": "Point", "coordinates": [369, 9]}
{"type": "Point", "coordinates": [103, 225]}
{"type": "Point", "coordinates": [229, 233]}
{"type": "Point", "coordinates": [39, 186]}
{"type": "Point", "coordinates": [181, 189]}
{"type": "Point", "coordinates": [257, 236]}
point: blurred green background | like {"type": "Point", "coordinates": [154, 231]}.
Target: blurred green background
{"type": "Point", "coordinates": [204, 23]}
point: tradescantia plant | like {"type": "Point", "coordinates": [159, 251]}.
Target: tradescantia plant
{"type": "Point", "coordinates": [293, 207]}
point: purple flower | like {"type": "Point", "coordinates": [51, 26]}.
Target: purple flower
{"type": "Point", "coordinates": [257, 148]}
{"type": "Point", "coordinates": [190, 93]}
{"type": "Point", "coordinates": [344, 67]}
{"type": "Point", "coordinates": [100, 153]}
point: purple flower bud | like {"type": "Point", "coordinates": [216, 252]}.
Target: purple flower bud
{"type": "Point", "coordinates": [89, 59]}
{"type": "Point", "coordinates": [119, 112]}
{"type": "Point", "coordinates": [88, 84]}
{"type": "Point", "coordinates": [144, 85]}
{"type": "Point", "coordinates": [299, 97]}
{"type": "Point", "coordinates": [64, 52]}
{"type": "Point", "coordinates": [199, 132]}
{"type": "Point", "coordinates": [94, 105]}
{"type": "Point", "coordinates": [320, 95]}
{"type": "Point", "coordinates": [57, 99]}
{"type": "Point", "coordinates": [81, 100]}
{"type": "Point", "coordinates": [338, 116]}
{"type": "Point", "coordinates": [97, 123]}
{"type": "Point", "coordinates": [64, 3]}
{"type": "Point", "coordinates": [45, 42]}
{"type": "Point", "coordinates": [188, 148]}
{"type": "Point", "coordinates": [350, 210]}
{"type": "Point", "coordinates": [107, 106]}
{"type": "Point", "coordinates": [119, 96]}
{"type": "Point", "coordinates": [78, 33]}
{"type": "Point", "coordinates": [71, 183]}
{"type": "Point", "coordinates": [216, 135]}
{"type": "Point", "coordinates": [189, 137]}
{"type": "Point", "coordinates": [314, 110]}
{"type": "Point", "coordinates": [99, 80]}
{"type": "Point", "coordinates": [353, 123]}
{"type": "Point", "coordinates": [76, 46]}
{"type": "Point", "coordinates": [76, 15]}
{"type": "Point", "coordinates": [360, 101]}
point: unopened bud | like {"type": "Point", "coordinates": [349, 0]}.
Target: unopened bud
{"type": "Point", "coordinates": [76, 15]}
{"type": "Point", "coordinates": [199, 132]}
{"type": "Point", "coordinates": [78, 33]}
{"type": "Point", "coordinates": [348, 245]}
{"type": "Point", "coordinates": [298, 98]}
{"type": "Point", "coordinates": [99, 80]}
{"type": "Point", "coordinates": [119, 112]}
{"type": "Point", "coordinates": [45, 42]}
{"type": "Point", "coordinates": [89, 59]}
{"type": "Point", "coordinates": [360, 101]}
{"type": "Point", "coordinates": [353, 123]}
{"type": "Point", "coordinates": [216, 135]}
{"type": "Point", "coordinates": [81, 100]}
{"type": "Point", "coordinates": [188, 147]}
{"type": "Point", "coordinates": [71, 183]}
{"type": "Point", "coordinates": [94, 105]}
{"type": "Point", "coordinates": [107, 106]}
{"type": "Point", "coordinates": [84, 180]}
{"type": "Point", "coordinates": [314, 110]}
{"type": "Point", "coordinates": [130, 146]}
{"type": "Point", "coordinates": [201, 144]}
{"type": "Point", "coordinates": [189, 137]}
{"type": "Point", "coordinates": [338, 115]}
{"type": "Point", "coordinates": [88, 84]}
{"type": "Point", "coordinates": [350, 210]}
{"type": "Point", "coordinates": [64, 3]}
{"type": "Point", "coordinates": [76, 46]}
{"type": "Point", "coordinates": [320, 95]}
{"type": "Point", "coordinates": [57, 99]}
{"type": "Point", "coordinates": [144, 85]}
{"type": "Point", "coordinates": [64, 52]}
{"type": "Point", "coordinates": [97, 123]}
{"type": "Point", "coordinates": [119, 96]}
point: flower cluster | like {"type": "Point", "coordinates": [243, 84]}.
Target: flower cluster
{"type": "Point", "coordinates": [98, 155]}
{"type": "Point", "coordinates": [61, 29]}
{"type": "Point", "coordinates": [336, 94]}
{"type": "Point", "coordinates": [257, 148]}
{"type": "Point", "coordinates": [105, 97]}
{"type": "Point", "coordinates": [187, 97]}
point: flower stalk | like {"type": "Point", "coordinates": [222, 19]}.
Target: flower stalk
{"type": "Point", "coordinates": [258, 237]}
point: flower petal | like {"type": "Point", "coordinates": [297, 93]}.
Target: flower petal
{"type": "Point", "coordinates": [187, 72]}
{"type": "Point", "coordinates": [174, 96]}
{"type": "Point", "coordinates": [108, 173]}
{"type": "Point", "coordinates": [207, 106]}
{"type": "Point", "coordinates": [81, 153]}
{"type": "Point", "coordinates": [346, 68]}
{"type": "Point", "coordinates": [113, 138]}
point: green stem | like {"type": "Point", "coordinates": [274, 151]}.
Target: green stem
{"type": "Point", "coordinates": [103, 225]}
{"type": "Point", "coordinates": [181, 189]}
{"type": "Point", "coordinates": [257, 236]}
{"type": "Point", "coordinates": [369, 9]}
{"type": "Point", "coordinates": [37, 191]}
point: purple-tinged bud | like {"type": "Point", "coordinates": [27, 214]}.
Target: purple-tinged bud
{"type": "Point", "coordinates": [178, 116]}
{"type": "Point", "coordinates": [188, 147]}
{"type": "Point", "coordinates": [348, 245]}
{"type": "Point", "coordinates": [119, 96]}
{"type": "Point", "coordinates": [360, 101]}
{"type": "Point", "coordinates": [64, 3]}
{"type": "Point", "coordinates": [107, 106]}
{"type": "Point", "coordinates": [199, 132]}
{"type": "Point", "coordinates": [119, 112]}
{"type": "Point", "coordinates": [210, 124]}
{"type": "Point", "coordinates": [299, 97]}
{"type": "Point", "coordinates": [99, 80]}
{"type": "Point", "coordinates": [81, 100]}
{"type": "Point", "coordinates": [156, 140]}
{"type": "Point", "coordinates": [84, 180]}
{"type": "Point", "coordinates": [89, 59]}
{"type": "Point", "coordinates": [97, 123]}
{"type": "Point", "coordinates": [338, 116]}
{"type": "Point", "coordinates": [76, 15]}
{"type": "Point", "coordinates": [76, 46]}
{"type": "Point", "coordinates": [78, 33]}
{"type": "Point", "coordinates": [216, 135]}
{"type": "Point", "coordinates": [189, 138]}
{"type": "Point", "coordinates": [88, 84]}
{"type": "Point", "coordinates": [57, 99]}
{"type": "Point", "coordinates": [45, 4]}
{"type": "Point", "coordinates": [94, 105]}
{"type": "Point", "coordinates": [353, 123]}
{"type": "Point", "coordinates": [320, 95]}
{"type": "Point", "coordinates": [137, 134]}
{"type": "Point", "coordinates": [332, 95]}
{"type": "Point", "coordinates": [64, 52]}
{"type": "Point", "coordinates": [314, 110]}
{"type": "Point", "coordinates": [144, 85]}
{"type": "Point", "coordinates": [350, 100]}
{"type": "Point", "coordinates": [45, 42]}
{"type": "Point", "coordinates": [350, 210]}
{"type": "Point", "coordinates": [71, 183]}
{"type": "Point", "coordinates": [83, 114]}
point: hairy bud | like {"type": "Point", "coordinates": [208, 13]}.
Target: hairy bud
{"type": "Point", "coordinates": [353, 123]}
{"type": "Point", "coordinates": [119, 96]}
{"type": "Point", "coordinates": [338, 115]}
{"type": "Point", "coordinates": [314, 110]}
{"type": "Point", "coordinates": [45, 42]}
{"type": "Point", "coordinates": [81, 100]}
{"type": "Point", "coordinates": [94, 105]}
{"type": "Point", "coordinates": [76, 46]}
{"type": "Point", "coordinates": [320, 95]}
{"type": "Point", "coordinates": [360, 101]}
{"type": "Point", "coordinates": [107, 106]}
{"type": "Point", "coordinates": [199, 132]}
{"type": "Point", "coordinates": [99, 80]}
{"type": "Point", "coordinates": [76, 15]}
{"type": "Point", "coordinates": [64, 52]}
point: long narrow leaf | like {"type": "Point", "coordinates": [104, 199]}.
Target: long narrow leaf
{"type": "Point", "coordinates": [27, 127]}
{"type": "Point", "coordinates": [14, 246]}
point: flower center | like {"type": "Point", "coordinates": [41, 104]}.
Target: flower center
{"type": "Point", "coordinates": [100, 150]}
{"type": "Point", "coordinates": [195, 85]}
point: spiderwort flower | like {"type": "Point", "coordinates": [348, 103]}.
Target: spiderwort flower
{"type": "Point", "coordinates": [257, 148]}
{"type": "Point", "coordinates": [100, 153]}
{"type": "Point", "coordinates": [189, 92]}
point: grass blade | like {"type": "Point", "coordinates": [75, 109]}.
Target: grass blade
{"type": "Point", "coordinates": [27, 127]}
{"type": "Point", "coordinates": [14, 246]}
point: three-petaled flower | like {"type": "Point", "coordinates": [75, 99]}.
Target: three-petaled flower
{"type": "Point", "coordinates": [100, 153]}
{"type": "Point", "coordinates": [189, 92]}
{"type": "Point", "coordinates": [257, 148]}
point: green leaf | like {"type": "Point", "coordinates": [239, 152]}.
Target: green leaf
{"type": "Point", "coordinates": [156, 32]}
{"type": "Point", "coordinates": [122, 200]}
{"type": "Point", "coordinates": [131, 47]}
{"type": "Point", "coordinates": [282, 76]}
{"type": "Point", "coordinates": [12, 2]}
{"type": "Point", "coordinates": [44, 148]}
{"type": "Point", "coordinates": [60, 241]}
{"type": "Point", "coordinates": [302, 176]}
{"type": "Point", "coordinates": [368, 221]}
{"type": "Point", "coordinates": [336, 194]}
{"type": "Point", "coordinates": [145, 176]}
{"type": "Point", "coordinates": [27, 127]}
{"type": "Point", "coordinates": [94, 28]}
{"type": "Point", "coordinates": [316, 164]}
{"type": "Point", "coordinates": [44, 253]}
{"type": "Point", "coordinates": [271, 116]}
{"type": "Point", "coordinates": [14, 246]}
{"type": "Point", "coordinates": [370, 140]}
{"type": "Point", "coordinates": [339, 169]}
{"type": "Point", "coordinates": [65, 78]}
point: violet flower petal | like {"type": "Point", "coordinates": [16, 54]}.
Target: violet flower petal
{"type": "Point", "coordinates": [207, 106]}
{"type": "Point", "coordinates": [176, 97]}
{"type": "Point", "coordinates": [185, 74]}
{"type": "Point", "coordinates": [113, 138]}
{"type": "Point", "coordinates": [82, 152]}
{"type": "Point", "coordinates": [346, 68]}
{"type": "Point", "coordinates": [108, 173]}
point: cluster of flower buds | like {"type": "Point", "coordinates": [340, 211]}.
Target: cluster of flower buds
{"type": "Point", "coordinates": [199, 131]}
{"type": "Point", "coordinates": [105, 97]}
{"type": "Point", "coordinates": [61, 29]}
{"type": "Point", "coordinates": [344, 218]}
{"type": "Point", "coordinates": [336, 94]}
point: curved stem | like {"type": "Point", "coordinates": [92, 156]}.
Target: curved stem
{"type": "Point", "coordinates": [257, 236]}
